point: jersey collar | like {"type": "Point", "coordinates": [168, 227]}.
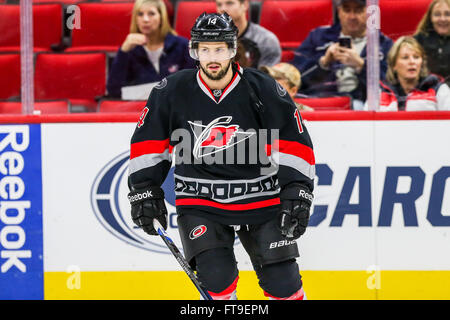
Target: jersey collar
{"type": "Point", "coordinates": [233, 83]}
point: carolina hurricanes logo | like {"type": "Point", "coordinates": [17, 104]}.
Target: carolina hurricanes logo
{"type": "Point", "coordinates": [220, 136]}
{"type": "Point", "coordinates": [216, 136]}
{"type": "Point", "coordinates": [197, 232]}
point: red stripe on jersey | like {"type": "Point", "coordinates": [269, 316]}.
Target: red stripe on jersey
{"type": "Point", "coordinates": [232, 80]}
{"type": "Point", "coordinates": [227, 206]}
{"type": "Point", "coordinates": [296, 149]}
{"type": "Point", "coordinates": [224, 90]}
{"type": "Point", "coordinates": [204, 83]}
{"type": "Point", "coordinates": [149, 146]}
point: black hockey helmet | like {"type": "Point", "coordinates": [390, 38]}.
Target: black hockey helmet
{"type": "Point", "coordinates": [214, 27]}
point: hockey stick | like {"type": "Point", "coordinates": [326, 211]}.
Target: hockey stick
{"type": "Point", "coordinates": [181, 260]}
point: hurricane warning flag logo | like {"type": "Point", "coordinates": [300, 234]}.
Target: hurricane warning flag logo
{"type": "Point", "coordinates": [216, 136]}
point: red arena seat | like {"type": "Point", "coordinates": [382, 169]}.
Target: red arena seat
{"type": "Point", "coordinates": [47, 26]}
{"type": "Point", "coordinates": [287, 55]}
{"type": "Point", "coordinates": [168, 3]}
{"type": "Point", "coordinates": [104, 26]}
{"type": "Point", "coordinates": [10, 78]}
{"type": "Point", "coordinates": [327, 103]}
{"type": "Point", "coordinates": [64, 2]}
{"type": "Point", "coordinates": [186, 13]}
{"type": "Point", "coordinates": [79, 77]}
{"type": "Point", "coordinates": [40, 107]}
{"type": "Point", "coordinates": [121, 106]}
{"type": "Point", "coordinates": [401, 17]}
{"type": "Point", "coordinates": [291, 20]}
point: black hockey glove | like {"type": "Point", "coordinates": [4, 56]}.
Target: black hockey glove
{"type": "Point", "coordinates": [146, 205]}
{"type": "Point", "coordinates": [296, 202]}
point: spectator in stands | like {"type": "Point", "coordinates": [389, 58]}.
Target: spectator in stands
{"type": "Point", "coordinates": [289, 78]}
{"type": "Point", "coordinates": [331, 66]}
{"type": "Point", "coordinates": [409, 85]}
{"type": "Point", "coordinates": [266, 41]}
{"type": "Point", "coordinates": [433, 33]}
{"type": "Point", "coordinates": [247, 54]}
{"type": "Point", "coordinates": [150, 52]}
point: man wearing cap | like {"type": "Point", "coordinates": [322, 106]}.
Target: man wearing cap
{"type": "Point", "coordinates": [332, 59]}
{"type": "Point", "coordinates": [289, 77]}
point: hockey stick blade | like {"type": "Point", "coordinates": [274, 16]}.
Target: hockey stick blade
{"type": "Point", "coordinates": [181, 260]}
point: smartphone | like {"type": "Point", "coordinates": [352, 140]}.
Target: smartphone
{"type": "Point", "coordinates": [345, 42]}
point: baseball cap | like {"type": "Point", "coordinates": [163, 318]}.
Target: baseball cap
{"type": "Point", "coordinates": [284, 70]}
{"type": "Point", "coordinates": [361, 2]}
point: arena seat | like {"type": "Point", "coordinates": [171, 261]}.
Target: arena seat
{"type": "Point", "coordinates": [104, 27]}
{"type": "Point", "coordinates": [40, 107]}
{"type": "Point", "coordinates": [327, 103]}
{"type": "Point", "coordinates": [168, 3]}
{"type": "Point", "coordinates": [401, 17]}
{"type": "Point", "coordinates": [291, 20]}
{"type": "Point", "coordinates": [64, 2]}
{"type": "Point", "coordinates": [113, 106]}
{"type": "Point", "coordinates": [287, 55]}
{"type": "Point", "coordinates": [47, 26]}
{"type": "Point", "coordinates": [10, 78]}
{"type": "Point", "coordinates": [79, 77]}
{"type": "Point", "coordinates": [187, 11]}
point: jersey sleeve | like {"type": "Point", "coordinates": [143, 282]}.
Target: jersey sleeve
{"type": "Point", "coordinates": [291, 148]}
{"type": "Point", "coordinates": [150, 150]}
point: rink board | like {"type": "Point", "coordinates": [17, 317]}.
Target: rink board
{"type": "Point", "coordinates": [175, 285]}
{"type": "Point", "coordinates": [379, 227]}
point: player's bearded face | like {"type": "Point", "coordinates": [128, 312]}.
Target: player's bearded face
{"type": "Point", "coordinates": [215, 70]}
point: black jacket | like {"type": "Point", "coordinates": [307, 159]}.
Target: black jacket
{"type": "Point", "coordinates": [437, 49]}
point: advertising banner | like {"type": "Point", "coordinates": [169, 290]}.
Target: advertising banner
{"type": "Point", "coordinates": [381, 195]}
{"type": "Point", "coordinates": [382, 202]}
{"type": "Point", "coordinates": [21, 237]}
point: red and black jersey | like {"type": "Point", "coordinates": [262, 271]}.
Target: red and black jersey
{"type": "Point", "coordinates": [231, 159]}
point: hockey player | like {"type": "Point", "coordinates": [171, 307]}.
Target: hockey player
{"type": "Point", "coordinates": [219, 111]}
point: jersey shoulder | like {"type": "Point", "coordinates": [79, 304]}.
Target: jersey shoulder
{"type": "Point", "coordinates": [264, 84]}
{"type": "Point", "coordinates": [182, 76]}
{"type": "Point", "coordinates": [258, 78]}
{"type": "Point", "coordinates": [177, 80]}
{"type": "Point", "coordinates": [176, 84]}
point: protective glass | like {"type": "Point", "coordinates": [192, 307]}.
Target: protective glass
{"type": "Point", "coordinates": [206, 53]}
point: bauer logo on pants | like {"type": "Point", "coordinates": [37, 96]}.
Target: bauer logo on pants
{"type": "Point", "coordinates": [197, 232]}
